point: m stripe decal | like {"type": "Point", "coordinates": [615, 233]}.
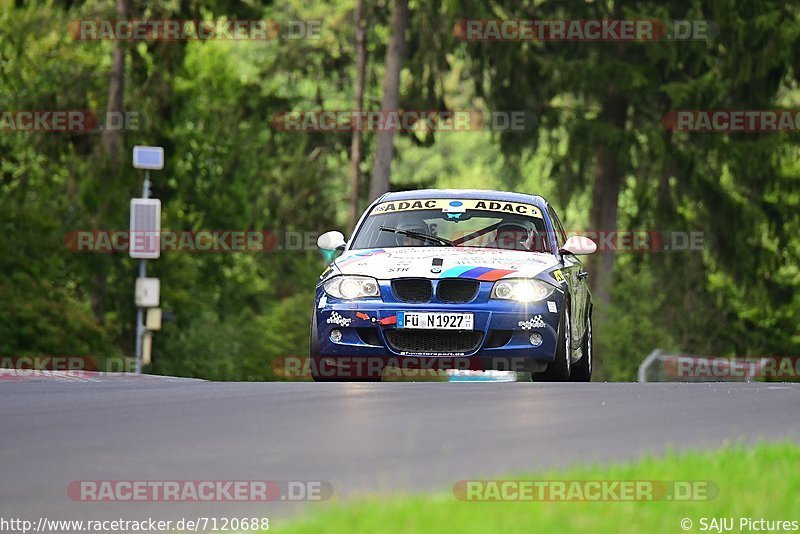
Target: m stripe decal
{"type": "Point", "coordinates": [455, 271]}
{"type": "Point", "coordinates": [495, 274]}
{"type": "Point", "coordinates": [477, 273]}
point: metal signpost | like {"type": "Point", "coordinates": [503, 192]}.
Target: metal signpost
{"type": "Point", "coordinates": [145, 243]}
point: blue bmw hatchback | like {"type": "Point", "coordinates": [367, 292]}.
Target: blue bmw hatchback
{"type": "Point", "coordinates": [454, 279]}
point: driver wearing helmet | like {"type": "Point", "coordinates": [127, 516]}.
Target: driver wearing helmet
{"type": "Point", "coordinates": [412, 224]}
{"type": "Point", "coordinates": [515, 236]}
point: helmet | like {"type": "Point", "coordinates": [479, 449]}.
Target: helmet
{"type": "Point", "coordinates": [516, 235]}
{"type": "Point", "coordinates": [412, 224]}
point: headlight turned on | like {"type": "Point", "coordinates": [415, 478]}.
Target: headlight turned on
{"type": "Point", "coordinates": [352, 287]}
{"type": "Point", "coordinates": [521, 290]}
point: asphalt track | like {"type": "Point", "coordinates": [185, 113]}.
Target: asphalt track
{"type": "Point", "coordinates": [363, 438]}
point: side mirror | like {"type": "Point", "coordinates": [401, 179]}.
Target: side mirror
{"type": "Point", "coordinates": [579, 244]}
{"type": "Point", "coordinates": [332, 240]}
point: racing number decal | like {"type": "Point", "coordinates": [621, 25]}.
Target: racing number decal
{"type": "Point", "coordinates": [558, 275]}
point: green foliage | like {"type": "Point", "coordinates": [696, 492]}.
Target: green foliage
{"type": "Point", "coordinates": [41, 318]}
{"type": "Point", "coordinates": [634, 327]}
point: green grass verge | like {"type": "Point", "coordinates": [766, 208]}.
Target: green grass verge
{"type": "Point", "coordinates": [757, 482]}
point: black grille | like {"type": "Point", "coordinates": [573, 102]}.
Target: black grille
{"type": "Point", "coordinates": [457, 290]}
{"type": "Point", "coordinates": [412, 289]}
{"type": "Point", "coordinates": [440, 341]}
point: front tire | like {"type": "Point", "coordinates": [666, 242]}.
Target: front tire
{"type": "Point", "coordinates": [313, 340]}
{"type": "Point", "coordinates": [559, 369]}
{"type": "Point", "coordinates": [582, 371]}
{"type": "Point", "coordinates": [322, 372]}
{"type": "Point", "coordinates": [313, 350]}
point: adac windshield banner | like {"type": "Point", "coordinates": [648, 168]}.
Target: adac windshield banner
{"type": "Point", "coordinates": [457, 206]}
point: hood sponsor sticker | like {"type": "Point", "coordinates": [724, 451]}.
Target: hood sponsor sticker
{"type": "Point", "coordinates": [341, 262]}
{"type": "Point", "coordinates": [456, 262]}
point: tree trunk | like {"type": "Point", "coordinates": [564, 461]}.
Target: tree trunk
{"type": "Point", "coordinates": [608, 178]}
{"type": "Point", "coordinates": [112, 140]}
{"type": "Point", "coordinates": [391, 98]}
{"type": "Point", "coordinates": [355, 144]}
{"type": "Point", "coordinates": [108, 153]}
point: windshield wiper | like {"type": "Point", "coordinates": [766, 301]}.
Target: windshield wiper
{"type": "Point", "coordinates": [420, 235]}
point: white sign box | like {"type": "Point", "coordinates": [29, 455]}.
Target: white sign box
{"type": "Point", "coordinates": [144, 241]}
{"type": "Point", "coordinates": [147, 294]}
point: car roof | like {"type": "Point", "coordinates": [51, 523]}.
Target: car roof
{"type": "Point", "coordinates": [483, 194]}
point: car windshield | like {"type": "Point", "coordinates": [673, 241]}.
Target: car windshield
{"type": "Point", "coordinates": [520, 227]}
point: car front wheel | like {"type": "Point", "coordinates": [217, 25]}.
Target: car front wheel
{"type": "Point", "coordinates": [322, 371]}
{"type": "Point", "coordinates": [582, 370]}
{"type": "Point", "coordinates": [559, 369]}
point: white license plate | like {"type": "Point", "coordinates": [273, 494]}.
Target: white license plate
{"type": "Point", "coordinates": [435, 320]}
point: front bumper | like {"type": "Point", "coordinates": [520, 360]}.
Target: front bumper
{"type": "Point", "coordinates": [500, 339]}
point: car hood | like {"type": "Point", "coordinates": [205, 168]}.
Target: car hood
{"type": "Point", "coordinates": [444, 262]}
